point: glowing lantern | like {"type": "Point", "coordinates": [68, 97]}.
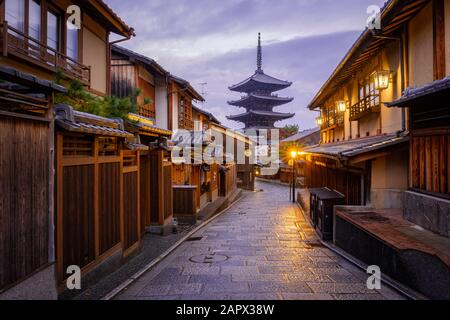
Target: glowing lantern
{"type": "Point", "coordinates": [341, 105]}
{"type": "Point", "coordinates": [382, 79]}
{"type": "Point", "coordinates": [319, 121]}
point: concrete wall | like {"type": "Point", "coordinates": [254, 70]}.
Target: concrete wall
{"type": "Point", "coordinates": [421, 48]}
{"type": "Point", "coordinates": [389, 180]}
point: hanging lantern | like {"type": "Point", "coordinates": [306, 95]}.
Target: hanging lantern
{"type": "Point", "coordinates": [319, 121]}
{"type": "Point", "coordinates": [341, 106]}
{"type": "Point", "coordinates": [382, 79]}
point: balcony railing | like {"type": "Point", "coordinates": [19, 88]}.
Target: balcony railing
{"type": "Point", "coordinates": [15, 43]}
{"type": "Point", "coordinates": [333, 120]}
{"type": "Point", "coordinates": [368, 105]}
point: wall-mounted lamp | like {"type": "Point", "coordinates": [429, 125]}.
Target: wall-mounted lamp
{"type": "Point", "coordinates": [341, 105]}
{"type": "Point", "coordinates": [319, 121]}
{"type": "Point", "coordinates": [382, 79]}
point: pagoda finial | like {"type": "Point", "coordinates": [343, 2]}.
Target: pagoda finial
{"type": "Point", "coordinates": [259, 55]}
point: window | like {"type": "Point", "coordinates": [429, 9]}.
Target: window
{"type": "Point", "coordinates": [15, 14]}
{"type": "Point", "coordinates": [368, 92]}
{"type": "Point", "coordinates": [34, 17]}
{"type": "Point", "coordinates": [53, 25]}
{"type": "Point", "coordinates": [72, 42]}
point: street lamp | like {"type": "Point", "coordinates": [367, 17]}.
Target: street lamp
{"type": "Point", "coordinates": [294, 154]}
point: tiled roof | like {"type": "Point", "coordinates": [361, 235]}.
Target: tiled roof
{"type": "Point", "coordinates": [128, 29]}
{"type": "Point", "coordinates": [251, 98]}
{"type": "Point", "coordinates": [145, 60]}
{"type": "Point", "coordinates": [264, 114]}
{"type": "Point", "coordinates": [412, 94]}
{"type": "Point", "coordinates": [74, 121]}
{"type": "Point", "coordinates": [352, 148]}
{"type": "Point", "coordinates": [261, 78]}
{"type": "Point", "coordinates": [145, 124]}
{"type": "Point", "coordinates": [206, 113]}
{"type": "Point", "coordinates": [13, 75]}
{"type": "Point", "coordinates": [301, 135]}
{"type": "Point", "coordinates": [186, 84]}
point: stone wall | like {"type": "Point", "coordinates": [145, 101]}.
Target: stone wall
{"type": "Point", "coordinates": [428, 212]}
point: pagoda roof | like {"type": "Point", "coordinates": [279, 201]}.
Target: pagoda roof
{"type": "Point", "coordinates": [260, 81]}
{"type": "Point", "coordinates": [277, 116]}
{"type": "Point", "coordinates": [253, 98]}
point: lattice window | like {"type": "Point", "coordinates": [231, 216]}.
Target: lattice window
{"type": "Point", "coordinates": [108, 146]}
{"type": "Point", "coordinates": [78, 146]}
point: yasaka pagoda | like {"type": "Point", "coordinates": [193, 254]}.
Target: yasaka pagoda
{"type": "Point", "coordinates": [260, 100]}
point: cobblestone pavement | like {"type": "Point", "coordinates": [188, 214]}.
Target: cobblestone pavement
{"type": "Point", "coordinates": [260, 249]}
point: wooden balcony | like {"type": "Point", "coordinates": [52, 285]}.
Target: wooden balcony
{"type": "Point", "coordinates": [333, 121]}
{"type": "Point", "coordinates": [370, 104]}
{"type": "Point", "coordinates": [15, 43]}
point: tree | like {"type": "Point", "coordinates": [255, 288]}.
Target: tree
{"type": "Point", "coordinates": [109, 107]}
{"type": "Point", "coordinates": [289, 131]}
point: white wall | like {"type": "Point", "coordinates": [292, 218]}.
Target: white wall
{"type": "Point", "coordinates": [162, 120]}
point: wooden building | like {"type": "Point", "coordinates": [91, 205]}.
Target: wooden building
{"type": "Point", "coordinates": [131, 71]}
{"type": "Point", "coordinates": [362, 140]}
{"type": "Point", "coordinates": [36, 39]}
{"type": "Point", "coordinates": [427, 202]}
{"type": "Point", "coordinates": [27, 256]}
{"type": "Point", "coordinates": [385, 146]}
{"type": "Point", "coordinates": [36, 47]}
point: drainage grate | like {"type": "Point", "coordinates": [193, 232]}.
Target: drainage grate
{"type": "Point", "coordinates": [192, 239]}
{"type": "Point", "coordinates": [209, 258]}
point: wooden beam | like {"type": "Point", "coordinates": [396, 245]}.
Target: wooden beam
{"type": "Point", "coordinates": [439, 38]}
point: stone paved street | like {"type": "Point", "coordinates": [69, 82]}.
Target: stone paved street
{"type": "Point", "coordinates": [261, 248]}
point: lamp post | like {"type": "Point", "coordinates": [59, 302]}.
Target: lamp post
{"type": "Point", "coordinates": [294, 154]}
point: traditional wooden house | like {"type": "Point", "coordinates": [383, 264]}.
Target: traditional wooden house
{"type": "Point", "coordinates": [393, 159]}
{"type": "Point", "coordinates": [36, 39]}
{"type": "Point", "coordinates": [363, 152]}
{"type": "Point", "coordinates": [131, 71]}
{"type": "Point", "coordinates": [36, 46]}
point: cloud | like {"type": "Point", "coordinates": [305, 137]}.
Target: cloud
{"type": "Point", "coordinates": [215, 41]}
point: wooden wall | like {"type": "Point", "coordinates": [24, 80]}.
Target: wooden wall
{"type": "Point", "coordinates": [430, 163]}
{"type": "Point", "coordinates": [158, 188]}
{"type": "Point", "coordinates": [346, 182]}
{"type": "Point", "coordinates": [430, 146]}
{"type": "Point", "coordinates": [24, 198]}
{"type": "Point", "coordinates": [97, 200]}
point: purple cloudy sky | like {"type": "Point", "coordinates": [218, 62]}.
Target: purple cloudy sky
{"type": "Point", "coordinates": [214, 41]}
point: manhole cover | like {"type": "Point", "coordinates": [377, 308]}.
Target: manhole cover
{"type": "Point", "coordinates": [209, 258]}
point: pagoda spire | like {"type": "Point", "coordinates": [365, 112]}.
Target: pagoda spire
{"type": "Point", "coordinates": [259, 54]}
